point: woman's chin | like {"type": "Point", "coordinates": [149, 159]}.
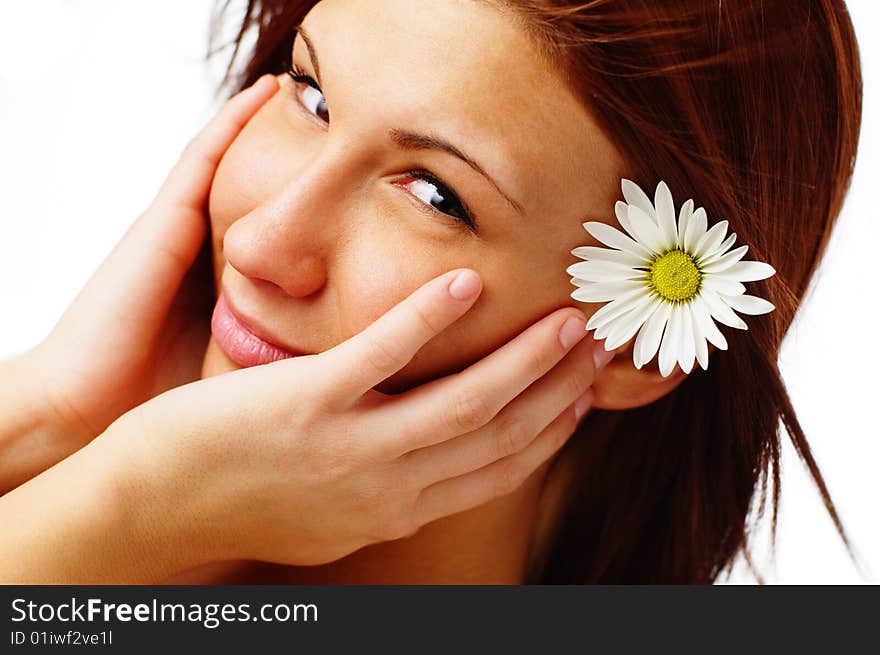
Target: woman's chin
{"type": "Point", "coordinates": [216, 361]}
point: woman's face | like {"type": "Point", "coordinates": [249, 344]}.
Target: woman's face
{"type": "Point", "coordinates": [333, 205]}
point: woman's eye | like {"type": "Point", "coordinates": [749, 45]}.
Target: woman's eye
{"type": "Point", "coordinates": [311, 96]}
{"type": "Point", "coordinates": [422, 184]}
{"type": "Point", "coordinates": [432, 192]}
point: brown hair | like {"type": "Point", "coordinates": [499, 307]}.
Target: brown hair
{"type": "Point", "coordinates": [753, 109]}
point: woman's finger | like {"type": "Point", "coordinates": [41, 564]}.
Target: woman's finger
{"type": "Point", "coordinates": [136, 284]}
{"type": "Point", "coordinates": [460, 403]}
{"type": "Point", "coordinates": [385, 346]}
{"type": "Point", "coordinates": [513, 429]}
{"type": "Point", "coordinates": [497, 479]}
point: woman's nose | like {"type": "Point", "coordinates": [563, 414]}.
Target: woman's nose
{"type": "Point", "coordinates": [289, 238]}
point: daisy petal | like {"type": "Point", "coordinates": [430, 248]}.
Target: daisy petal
{"type": "Point", "coordinates": [597, 270]}
{"type": "Point", "coordinates": [727, 243]}
{"type": "Point", "coordinates": [725, 261]}
{"type": "Point", "coordinates": [686, 348]}
{"type": "Point", "coordinates": [618, 307]}
{"type": "Point", "coordinates": [602, 331]}
{"type": "Point", "coordinates": [610, 332]}
{"type": "Point", "coordinates": [721, 311]}
{"type": "Point", "coordinates": [614, 238]}
{"type": "Point", "coordinates": [620, 210]}
{"type": "Point", "coordinates": [696, 229]}
{"type": "Point", "coordinates": [646, 231]}
{"type": "Point", "coordinates": [648, 339]}
{"type": "Point", "coordinates": [749, 304]}
{"type": "Point", "coordinates": [670, 343]}
{"type": "Point", "coordinates": [701, 350]}
{"type": "Point", "coordinates": [636, 197]}
{"type": "Point", "coordinates": [626, 326]}
{"type": "Point", "coordinates": [609, 255]}
{"type": "Point", "coordinates": [616, 324]}
{"type": "Point", "coordinates": [665, 213]}
{"type": "Point", "coordinates": [719, 251]}
{"type": "Point", "coordinates": [603, 291]}
{"type": "Point", "coordinates": [722, 285]}
{"type": "Point", "coordinates": [711, 240]}
{"type": "Point", "coordinates": [749, 271]}
{"type": "Point", "coordinates": [684, 215]}
{"type": "Point", "coordinates": [706, 325]}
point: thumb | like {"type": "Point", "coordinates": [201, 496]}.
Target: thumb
{"type": "Point", "coordinates": [389, 343]}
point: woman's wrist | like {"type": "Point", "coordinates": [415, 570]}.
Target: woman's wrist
{"type": "Point", "coordinates": [33, 435]}
{"type": "Point", "coordinates": [99, 516]}
{"type": "Point", "coordinates": [172, 504]}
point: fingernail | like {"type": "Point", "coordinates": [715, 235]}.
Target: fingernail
{"type": "Point", "coordinates": [582, 404]}
{"type": "Point", "coordinates": [465, 285]}
{"type": "Point", "coordinates": [573, 330]}
{"type": "Point", "coordinates": [600, 355]}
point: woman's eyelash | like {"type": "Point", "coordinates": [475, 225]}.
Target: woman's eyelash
{"type": "Point", "coordinates": [311, 99]}
{"type": "Point", "coordinates": [297, 74]}
{"type": "Point", "coordinates": [455, 206]}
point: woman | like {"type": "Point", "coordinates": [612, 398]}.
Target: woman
{"type": "Point", "coordinates": [470, 134]}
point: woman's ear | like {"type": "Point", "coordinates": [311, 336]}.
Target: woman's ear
{"type": "Point", "coordinates": [620, 385]}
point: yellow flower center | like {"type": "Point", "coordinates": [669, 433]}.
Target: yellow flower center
{"type": "Point", "coordinates": [675, 277]}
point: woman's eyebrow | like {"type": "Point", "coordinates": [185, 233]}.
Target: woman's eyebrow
{"type": "Point", "coordinates": [407, 140]}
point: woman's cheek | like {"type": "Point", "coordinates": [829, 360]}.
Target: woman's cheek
{"type": "Point", "coordinates": [392, 261]}
{"type": "Point", "coordinates": [251, 171]}
{"type": "Point", "coordinates": [395, 257]}
{"type": "Point", "coordinates": [506, 307]}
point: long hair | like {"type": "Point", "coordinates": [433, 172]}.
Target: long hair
{"type": "Point", "coordinates": [753, 109]}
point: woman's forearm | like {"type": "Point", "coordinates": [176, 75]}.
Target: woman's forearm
{"type": "Point", "coordinates": [102, 515]}
{"type": "Point", "coordinates": [31, 437]}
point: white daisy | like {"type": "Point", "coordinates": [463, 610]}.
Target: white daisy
{"type": "Point", "coordinates": [667, 280]}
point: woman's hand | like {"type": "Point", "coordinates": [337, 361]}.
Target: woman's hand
{"type": "Point", "coordinates": [301, 461]}
{"type": "Point", "coordinates": [141, 324]}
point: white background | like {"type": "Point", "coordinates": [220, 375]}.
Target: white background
{"type": "Point", "coordinates": [98, 97]}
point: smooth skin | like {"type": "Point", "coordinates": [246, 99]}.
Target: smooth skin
{"type": "Point", "coordinates": [298, 462]}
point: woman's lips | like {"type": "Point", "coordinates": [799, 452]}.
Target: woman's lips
{"type": "Point", "coordinates": [238, 341]}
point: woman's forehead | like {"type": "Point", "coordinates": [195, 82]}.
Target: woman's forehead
{"type": "Point", "coordinates": [468, 72]}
